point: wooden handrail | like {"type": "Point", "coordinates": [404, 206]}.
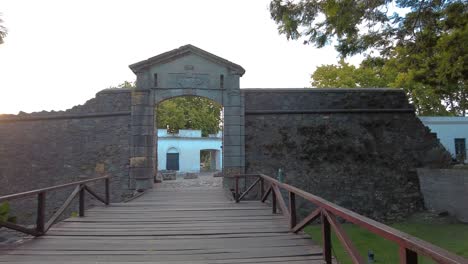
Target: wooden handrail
{"type": "Point", "coordinates": [61, 186]}
{"type": "Point", "coordinates": [41, 225]}
{"type": "Point", "coordinates": [410, 246]}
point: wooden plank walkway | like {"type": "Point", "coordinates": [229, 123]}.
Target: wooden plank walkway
{"type": "Point", "coordinates": [165, 225]}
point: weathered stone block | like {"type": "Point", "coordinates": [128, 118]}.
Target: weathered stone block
{"type": "Point", "coordinates": [142, 130]}
{"type": "Point", "coordinates": [232, 140]}
{"type": "Point", "coordinates": [191, 175]}
{"type": "Point", "coordinates": [138, 120]}
{"type": "Point", "coordinates": [233, 120]}
{"type": "Point", "coordinates": [142, 141]}
{"type": "Point", "coordinates": [230, 150]}
{"type": "Point", "coordinates": [143, 110]}
{"type": "Point", "coordinates": [169, 175]}
{"type": "Point", "coordinates": [141, 151]}
{"type": "Point", "coordinates": [232, 161]}
{"type": "Point", "coordinates": [141, 173]}
{"type": "Point", "coordinates": [140, 98]}
{"type": "Point", "coordinates": [233, 130]}
{"type": "Point", "coordinates": [140, 162]}
{"type": "Point", "coordinates": [232, 110]}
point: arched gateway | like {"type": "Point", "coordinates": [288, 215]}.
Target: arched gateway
{"type": "Point", "coordinates": [187, 70]}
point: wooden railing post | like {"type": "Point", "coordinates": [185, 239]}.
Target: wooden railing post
{"type": "Point", "coordinates": [41, 207]}
{"type": "Point", "coordinates": [107, 186]}
{"type": "Point", "coordinates": [237, 190]}
{"type": "Point", "coordinates": [262, 188]}
{"type": "Point", "coordinates": [326, 238]}
{"type": "Point", "coordinates": [292, 210]}
{"type": "Point", "coordinates": [408, 256]}
{"type": "Point", "coordinates": [82, 201]}
{"type": "Point", "coordinates": [273, 201]}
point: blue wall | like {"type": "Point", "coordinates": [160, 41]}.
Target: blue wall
{"type": "Point", "coordinates": [447, 129]}
{"type": "Point", "coordinates": [188, 144]}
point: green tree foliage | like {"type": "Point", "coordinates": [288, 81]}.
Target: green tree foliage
{"type": "Point", "coordinates": [421, 49]}
{"type": "Point", "coordinates": [370, 73]}
{"type": "Point", "coordinates": [357, 25]}
{"type": "Point", "coordinates": [189, 112]}
{"type": "Point", "coordinates": [3, 31]}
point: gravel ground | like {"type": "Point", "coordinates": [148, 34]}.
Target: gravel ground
{"type": "Point", "coordinates": [205, 180]}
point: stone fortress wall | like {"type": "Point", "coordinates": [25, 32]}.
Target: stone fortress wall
{"type": "Point", "coordinates": [49, 148]}
{"type": "Point", "coordinates": [358, 148]}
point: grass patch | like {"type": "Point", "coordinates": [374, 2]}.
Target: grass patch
{"type": "Point", "coordinates": [450, 236]}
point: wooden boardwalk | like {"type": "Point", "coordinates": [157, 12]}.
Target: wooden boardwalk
{"type": "Point", "coordinates": [177, 226]}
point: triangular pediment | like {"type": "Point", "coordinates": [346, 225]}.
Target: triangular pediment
{"type": "Point", "coordinates": [181, 52]}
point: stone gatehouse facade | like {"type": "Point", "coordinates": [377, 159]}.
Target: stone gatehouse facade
{"type": "Point", "coordinates": [357, 147]}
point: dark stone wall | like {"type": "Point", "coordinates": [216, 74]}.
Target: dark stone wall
{"type": "Point", "coordinates": [358, 148]}
{"type": "Point", "coordinates": [49, 148]}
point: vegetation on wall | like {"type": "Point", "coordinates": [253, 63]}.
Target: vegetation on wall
{"type": "Point", "coordinates": [419, 46]}
{"type": "Point", "coordinates": [5, 213]}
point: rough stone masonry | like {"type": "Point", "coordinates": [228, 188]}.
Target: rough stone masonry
{"type": "Point", "coordinates": [358, 148]}
{"type": "Point", "coordinates": [48, 148]}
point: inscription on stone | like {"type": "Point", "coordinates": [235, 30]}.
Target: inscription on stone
{"type": "Point", "coordinates": [188, 80]}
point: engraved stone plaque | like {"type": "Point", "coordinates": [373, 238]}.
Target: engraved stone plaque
{"type": "Point", "coordinates": [189, 80]}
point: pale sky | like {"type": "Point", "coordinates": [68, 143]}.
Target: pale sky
{"type": "Point", "coordinates": [58, 54]}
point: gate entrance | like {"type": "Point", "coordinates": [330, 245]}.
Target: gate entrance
{"type": "Point", "coordinates": [186, 71]}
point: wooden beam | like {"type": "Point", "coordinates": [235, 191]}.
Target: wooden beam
{"type": "Point", "coordinates": [237, 189]}
{"type": "Point", "coordinates": [107, 190]}
{"type": "Point", "coordinates": [82, 201]}
{"type": "Point", "coordinates": [248, 189]}
{"type": "Point", "coordinates": [19, 228]}
{"type": "Point", "coordinates": [41, 207]}
{"type": "Point", "coordinates": [59, 212]}
{"type": "Point", "coordinates": [273, 202]}
{"type": "Point", "coordinates": [408, 256]}
{"type": "Point", "coordinates": [326, 240]}
{"type": "Point", "coordinates": [56, 187]}
{"type": "Point", "coordinates": [279, 197]}
{"type": "Point", "coordinates": [344, 239]}
{"type": "Point", "coordinates": [292, 210]}
{"type": "Point", "coordinates": [265, 196]}
{"type": "Point", "coordinates": [311, 217]}
{"type": "Point", "coordinates": [102, 200]}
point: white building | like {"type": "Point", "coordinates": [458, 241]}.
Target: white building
{"type": "Point", "coordinates": [182, 151]}
{"type": "Point", "coordinates": [451, 131]}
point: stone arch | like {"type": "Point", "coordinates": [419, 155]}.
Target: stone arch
{"type": "Point", "coordinates": [186, 71]}
{"type": "Point", "coordinates": [172, 150]}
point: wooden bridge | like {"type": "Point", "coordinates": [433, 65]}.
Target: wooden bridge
{"type": "Point", "coordinates": [198, 225]}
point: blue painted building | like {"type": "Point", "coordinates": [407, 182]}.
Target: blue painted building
{"type": "Point", "coordinates": [451, 131]}
{"type": "Point", "coordinates": [182, 151]}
